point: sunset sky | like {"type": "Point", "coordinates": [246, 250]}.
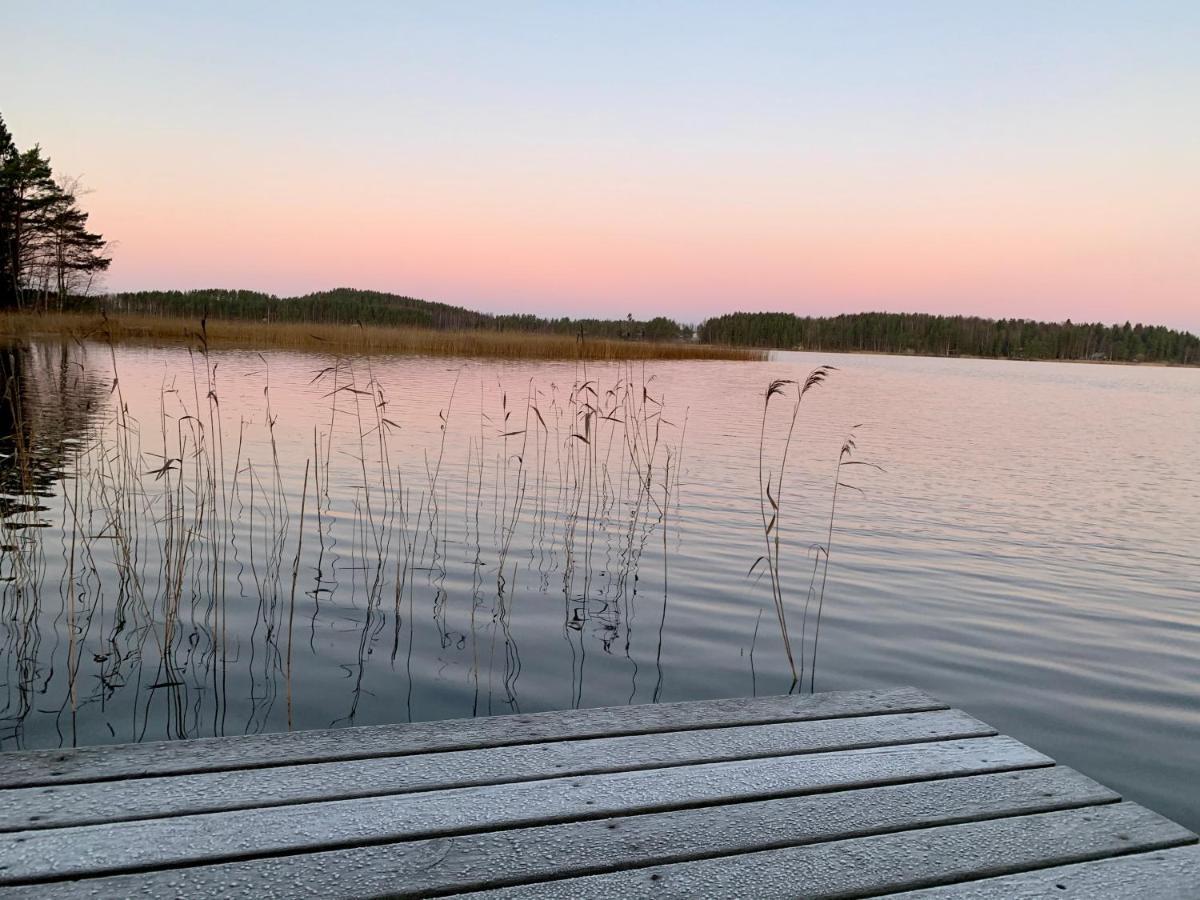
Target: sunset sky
{"type": "Point", "coordinates": [1001, 159]}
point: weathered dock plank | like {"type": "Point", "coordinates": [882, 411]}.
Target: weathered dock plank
{"type": "Point", "coordinates": [1158, 875]}
{"type": "Point", "coordinates": [498, 858]}
{"type": "Point", "coordinates": [45, 767]}
{"type": "Point", "coordinates": [885, 863]}
{"type": "Point", "coordinates": [180, 840]}
{"type": "Point", "coordinates": [840, 795]}
{"type": "Point", "coordinates": [106, 801]}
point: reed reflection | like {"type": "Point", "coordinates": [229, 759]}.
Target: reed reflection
{"type": "Point", "coordinates": [215, 575]}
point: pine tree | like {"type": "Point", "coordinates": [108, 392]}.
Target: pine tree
{"type": "Point", "coordinates": [29, 182]}
{"type": "Point", "coordinates": [8, 214]}
{"type": "Point", "coordinates": [72, 255]}
{"type": "Point", "coordinates": [46, 249]}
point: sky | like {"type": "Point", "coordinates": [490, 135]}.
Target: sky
{"type": "Point", "coordinates": [683, 159]}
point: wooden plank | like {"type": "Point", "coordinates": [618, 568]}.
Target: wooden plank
{"type": "Point", "coordinates": [1159, 875]}
{"type": "Point", "coordinates": [155, 843]}
{"type": "Point", "coordinates": [467, 862]}
{"type": "Point", "coordinates": [885, 863]}
{"type": "Point", "coordinates": [45, 767]}
{"type": "Point", "coordinates": [145, 798]}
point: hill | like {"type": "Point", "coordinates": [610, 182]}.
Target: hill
{"type": "Point", "coordinates": [350, 306]}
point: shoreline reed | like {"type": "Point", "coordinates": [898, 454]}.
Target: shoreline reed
{"type": "Point", "coordinates": [354, 338]}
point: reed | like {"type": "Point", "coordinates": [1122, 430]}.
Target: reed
{"type": "Point", "coordinates": [770, 502]}
{"type": "Point", "coordinates": [771, 474]}
{"type": "Point", "coordinates": [177, 521]}
{"type": "Point", "coordinates": [356, 339]}
{"type": "Point", "coordinates": [192, 551]}
{"type": "Point", "coordinates": [821, 552]}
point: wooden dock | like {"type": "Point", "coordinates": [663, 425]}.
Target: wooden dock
{"type": "Point", "coordinates": [854, 794]}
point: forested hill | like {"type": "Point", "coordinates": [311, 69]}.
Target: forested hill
{"type": "Point", "coordinates": [954, 336]}
{"type": "Point", "coordinates": [349, 306]}
{"type": "Point", "coordinates": [339, 305]}
{"type": "Point", "coordinates": [873, 332]}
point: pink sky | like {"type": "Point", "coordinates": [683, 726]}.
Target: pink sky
{"type": "Point", "coordinates": [939, 160]}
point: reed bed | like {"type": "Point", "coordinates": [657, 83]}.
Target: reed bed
{"type": "Point", "coordinates": [358, 339]}
{"type": "Point", "coordinates": [178, 522]}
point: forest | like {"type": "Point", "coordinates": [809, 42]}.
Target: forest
{"type": "Point", "coordinates": [932, 335]}
{"type": "Point", "coordinates": [348, 306]}
{"type": "Point", "coordinates": [875, 332]}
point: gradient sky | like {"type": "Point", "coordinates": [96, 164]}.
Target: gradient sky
{"type": "Point", "coordinates": [1004, 159]}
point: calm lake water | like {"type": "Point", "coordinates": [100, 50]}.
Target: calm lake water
{"type": "Point", "coordinates": [320, 543]}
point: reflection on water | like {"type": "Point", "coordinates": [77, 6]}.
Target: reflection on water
{"type": "Point", "coordinates": [47, 400]}
{"type": "Point", "coordinates": [205, 546]}
{"type": "Point", "coordinates": [267, 557]}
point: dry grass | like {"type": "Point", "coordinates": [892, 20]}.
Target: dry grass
{"type": "Point", "coordinates": [358, 339]}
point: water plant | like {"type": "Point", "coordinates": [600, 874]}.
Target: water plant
{"type": "Point", "coordinates": [770, 501]}
{"type": "Point", "coordinates": [212, 553]}
{"type": "Point", "coordinates": [197, 558]}
{"type": "Point", "coordinates": [357, 339]}
{"type": "Point", "coordinates": [771, 474]}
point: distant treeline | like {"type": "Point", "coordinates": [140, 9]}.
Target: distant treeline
{"type": "Point", "coordinates": [350, 306]}
{"type": "Point", "coordinates": [918, 333]}
{"type": "Point", "coordinates": [954, 336]}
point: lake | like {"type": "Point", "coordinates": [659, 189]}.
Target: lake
{"type": "Point", "coordinates": [243, 543]}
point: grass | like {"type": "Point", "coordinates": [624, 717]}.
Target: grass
{"type": "Point", "coordinates": [229, 333]}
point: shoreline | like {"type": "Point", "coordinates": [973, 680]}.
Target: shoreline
{"type": "Point", "coordinates": [368, 340]}
{"type": "Point", "coordinates": [1014, 359]}
{"type": "Point", "coordinates": [385, 339]}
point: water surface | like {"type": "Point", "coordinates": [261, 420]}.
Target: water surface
{"type": "Point", "coordinates": [1029, 551]}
